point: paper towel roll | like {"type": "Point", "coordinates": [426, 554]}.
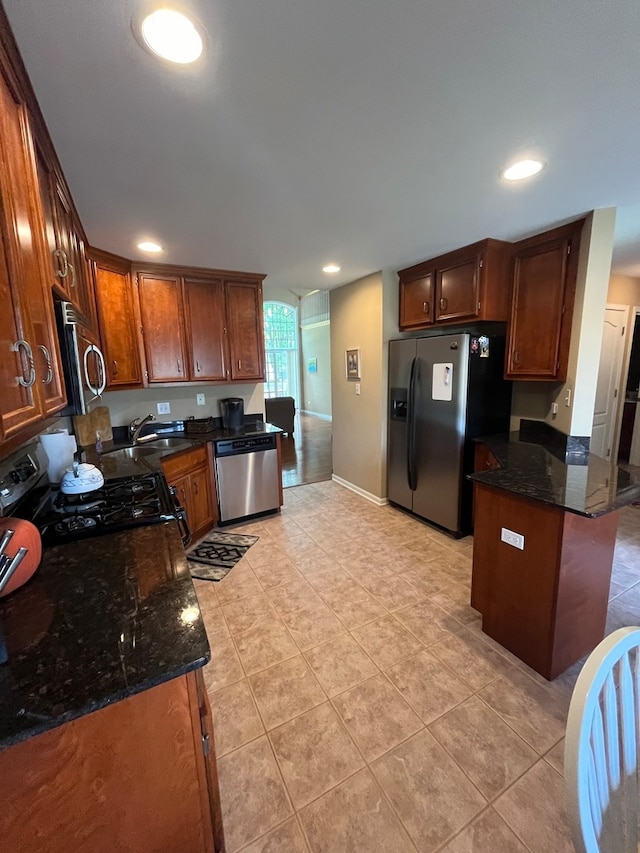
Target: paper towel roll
{"type": "Point", "coordinates": [59, 447]}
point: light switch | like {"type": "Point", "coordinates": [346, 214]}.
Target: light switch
{"type": "Point", "coordinates": [357, 388]}
{"type": "Point", "coordinates": [199, 399]}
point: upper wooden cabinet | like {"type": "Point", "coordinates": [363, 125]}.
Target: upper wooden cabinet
{"type": "Point", "coordinates": [31, 385]}
{"type": "Point", "coordinates": [118, 320]}
{"type": "Point", "coordinates": [466, 285]}
{"type": "Point", "coordinates": [544, 285]}
{"type": "Point", "coordinates": [201, 325]}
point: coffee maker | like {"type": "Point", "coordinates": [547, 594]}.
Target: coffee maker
{"type": "Point", "coordinates": [232, 413]}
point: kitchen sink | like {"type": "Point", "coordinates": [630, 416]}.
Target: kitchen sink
{"type": "Point", "coordinates": [137, 452]}
{"type": "Point", "coordinates": [157, 443]}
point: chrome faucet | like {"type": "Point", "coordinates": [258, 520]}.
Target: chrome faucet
{"type": "Point", "coordinates": [135, 428]}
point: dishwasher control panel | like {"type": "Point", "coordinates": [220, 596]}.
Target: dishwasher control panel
{"type": "Point", "coordinates": [235, 446]}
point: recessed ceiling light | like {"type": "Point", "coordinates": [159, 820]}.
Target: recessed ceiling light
{"type": "Point", "coordinates": [522, 169]}
{"type": "Point", "coordinates": [331, 268]}
{"type": "Point", "coordinates": [171, 35]}
{"type": "Point", "coordinates": [149, 246]}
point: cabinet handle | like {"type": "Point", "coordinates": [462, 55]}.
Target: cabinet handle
{"type": "Point", "coordinates": [47, 357]}
{"type": "Point", "coordinates": [115, 367]}
{"type": "Point", "coordinates": [73, 274]}
{"type": "Point", "coordinates": [227, 373]}
{"type": "Point", "coordinates": [516, 357]}
{"type": "Point", "coordinates": [443, 303]}
{"type": "Point", "coordinates": [239, 365]}
{"type": "Point", "coordinates": [178, 363]}
{"type": "Point", "coordinates": [26, 383]}
{"type": "Point", "coordinates": [198, 366]}
{"type": "Point", "coordinates": [61, 255]}
{"type": "Point", "coordinates": [195, 487]}
{"type": "Point", "coordinates": [425, 307]}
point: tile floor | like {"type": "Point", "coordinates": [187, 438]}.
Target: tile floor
{"type": "Point", "coordinates": [357, 706]}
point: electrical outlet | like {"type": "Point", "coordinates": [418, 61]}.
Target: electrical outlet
{"type": "Point", "coordinates": [199, 399]}
{"type": "Point", "coordinates": [163, 408]}
{"type": "Point", "coordinates": [511, 538]}
{"type": "Point", "coordinates": [567, 399]}
{"type": "Point", "coordinates": [357, 388]}
{"type": "Point", "coordinates": [554, 408]}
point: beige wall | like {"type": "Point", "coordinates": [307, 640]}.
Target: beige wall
{"type": "Point", "coordinates": [359, 422]}
{"type": "Point", "coordinates": [126, 405]}
{"type": "Point", "coordinates": [624, 290]}
{"type": "Point", "coordinates": [315, 342]}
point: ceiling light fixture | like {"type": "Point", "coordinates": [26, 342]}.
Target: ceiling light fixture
{"type": "Point", "coordinates": [172, 36]}
{"type": "Point", "coordinates": [331, 268]}
{"type": "Point", "coordinates": [149, 246]}
{"type": "Point", "coordinates": [522, 169]}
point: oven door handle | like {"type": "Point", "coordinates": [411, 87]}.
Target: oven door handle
{"type": "Point", "coordinates": [181, 517]}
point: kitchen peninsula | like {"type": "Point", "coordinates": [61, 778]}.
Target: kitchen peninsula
{"type": "Point", "coordinates": [106, 737]}
{"type": "Point", "coordinates": [545, 522]}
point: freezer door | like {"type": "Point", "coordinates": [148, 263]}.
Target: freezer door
{"type": "Point", "coordinates": [401, 356]}
{"type": "Point", "coordinates": [440, 427]}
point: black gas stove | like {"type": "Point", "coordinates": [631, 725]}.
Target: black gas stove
{"type": "Point", "coordinates": [120, 504]}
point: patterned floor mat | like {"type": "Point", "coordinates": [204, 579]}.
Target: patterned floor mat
{"type": "Point", "coordinates": [216, 555]}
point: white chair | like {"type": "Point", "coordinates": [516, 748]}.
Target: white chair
{"type": "Point", "coordinates": [601, 747]}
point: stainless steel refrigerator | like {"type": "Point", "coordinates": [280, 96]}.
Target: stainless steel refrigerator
{"type": "Point", "coordinates": [444, 390]}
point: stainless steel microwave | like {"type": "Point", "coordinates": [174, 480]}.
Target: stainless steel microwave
{"type": "Point", "coordinates": [85, 374]}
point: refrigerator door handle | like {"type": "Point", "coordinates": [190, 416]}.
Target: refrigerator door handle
{"type": "Point", "coordinates": [411, 426]}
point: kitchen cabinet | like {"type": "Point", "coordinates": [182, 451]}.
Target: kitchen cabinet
{"type": "Point", "coordinates": [465, 285]}
{"type": "Point", "coordinates": [201, 325]}
{"type": "Point", "coordinates": [543, 290]}
{"type": "Point", "coordinates": [118, 320]}
{"type": "Point", "coordinates": [190, 473]}
{"type": "Point", "coordinates": [31, 385]}
{"type": "Point", "coordinates": [136, 775]}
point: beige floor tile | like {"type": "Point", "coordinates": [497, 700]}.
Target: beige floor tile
{"type": "Point", "coordinates": [265, 552]}
{"type": "Point", "coordinates": [252, 794]}
{"type": "Point", "coordinates": [235, 717]}
{"type": "Point", "coordinates": [376, 716]}
{"type": "Point", "coordinates": [428, 685]}
{"type": "Point", "coordinates": [394, 594]}
{"type": "Point", "coordinates": [428, 622]}
{"type": "Point", "coordinates": [292, 596]}
{"type": "Point", "coordinates": [248, 612]}
{"type": "Point", "coordinates": [312, 625]}
{"type": "Point", "coordinates": [340, 664]}
{"type": "Point", "coordinates": [387, 641]}
{"type": "Point", "coordinates": [214, 624]}
{"type": "Point", "coordinates": [265, 645]}
{"type": "Point", "coordinates": [277, 573]}
{"type": "Point", "coordinates": [286, 690]}
{"type": "Point", "coordinates": [354, 818]}
{"type": "Point", "coordinates": [535, 809]}
{"type": "Point", "coordinates": [490, 753]}
{"type": "Point", "coordinates": [555, 757]}
{"type": "Point", "coordinates": [486, 834]}
{"type": "Point", "coordinates": [236, 586]}
{"type": "Point", "coordinates": [287, 838]}
{"type": "Point", "coordinates": [225, 667]}
{"type": "Point", "coordinates": [315, 753]}
{"type": "Point", "coordinates": [529, 708]}
{"type": "Point", "coordinates": [471, 659]}
{"type": "Point", "coordinates": [456, 601]}
{"type": "Point", "coordinates": [352, 604]}
{"type": "Point", "coordinates": [432, 796]}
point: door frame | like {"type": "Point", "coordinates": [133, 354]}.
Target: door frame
{"type": "Point", "coordinates": [632, 311]}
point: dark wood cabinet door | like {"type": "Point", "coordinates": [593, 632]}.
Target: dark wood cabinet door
{"type": "Point", "coordinates": [202, 508]}
{"type": "Point", "coordinates": [457, 287]}
{"type": "Point", "coordinates": [118, 323]}
{"type": "Point", "coordinates": [160, 300]}
{"type": "Point", "coordinates": [70, 261]}
{"type": "Point", "coordinates": [416, 301]}
{"type": "Point", "coordinates": [245, 330]}
{"type": "Point", "coordinates": [31, 381]}
{"type": "Point", "coordinates": [206, 326]}
{"type": "Point", "coordinates": [544, 281]}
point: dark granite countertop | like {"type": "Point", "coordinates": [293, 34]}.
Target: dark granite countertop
{"type": "Point", "coordinates": [587, 485]}
{"type": "Point", "coordinates": [101, 619]}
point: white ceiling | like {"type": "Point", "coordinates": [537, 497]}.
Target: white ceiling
{"type": "Point", "coordinates": [366, 132]}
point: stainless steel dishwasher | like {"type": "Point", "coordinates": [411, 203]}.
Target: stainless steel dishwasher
{"type": "Point", "coordinates": [247, 476]}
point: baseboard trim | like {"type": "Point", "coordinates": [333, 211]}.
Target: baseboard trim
{"type": "Point", "coordinates": [316, 415]}
{"type": "Point", "coordinates": [373, 498]}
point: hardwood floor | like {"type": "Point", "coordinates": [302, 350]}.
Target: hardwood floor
{"type": "Point", "coordinates": [306, 456]}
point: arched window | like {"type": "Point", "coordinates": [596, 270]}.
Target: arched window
{"type": "Point", "coordinates": [281, 350]}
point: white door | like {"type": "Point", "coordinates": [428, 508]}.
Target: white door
{"type": "Point", "coordinates": [609, 374]}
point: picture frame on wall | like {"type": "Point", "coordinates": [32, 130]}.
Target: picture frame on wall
{"type": "Point", "coordinates": [352, 364]}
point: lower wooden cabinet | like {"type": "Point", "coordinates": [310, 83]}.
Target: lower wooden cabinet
{"type": "Point", "coordinates": [139, 775]}
{"type": "Point", "coordinates": [190, 473]}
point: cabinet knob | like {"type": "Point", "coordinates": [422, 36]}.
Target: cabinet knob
{"type": "Point", "coordinates": [425, 307]}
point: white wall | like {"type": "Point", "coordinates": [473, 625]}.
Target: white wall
{"type": "Point", "coordinates": [315, 342]}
